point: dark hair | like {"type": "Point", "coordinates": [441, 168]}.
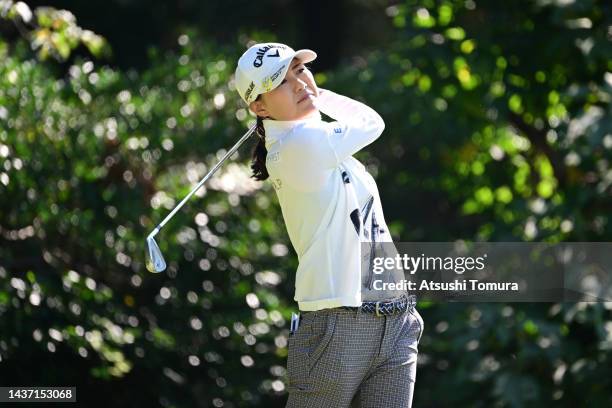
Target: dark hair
{"type": "Point", "coordinates": [258, 159]}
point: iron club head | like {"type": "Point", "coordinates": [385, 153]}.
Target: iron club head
{"type": "Point", "coordinates": [155, 260]}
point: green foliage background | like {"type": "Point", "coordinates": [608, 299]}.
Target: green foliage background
{"type": "Point", "coordinates": [498, 128]}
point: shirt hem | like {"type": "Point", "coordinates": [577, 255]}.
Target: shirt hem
{"type": "Point", "coordinates": [312, 305]}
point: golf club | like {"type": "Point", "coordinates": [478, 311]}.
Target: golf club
{"type": "Point", "coordinates": [155, 260]}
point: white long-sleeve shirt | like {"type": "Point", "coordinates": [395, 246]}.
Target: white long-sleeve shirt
{"type": "Point", "coordinates": [330, 203]}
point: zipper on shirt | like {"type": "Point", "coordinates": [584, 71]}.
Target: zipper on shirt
{"type": "Point", "coordinates": [374, 235]}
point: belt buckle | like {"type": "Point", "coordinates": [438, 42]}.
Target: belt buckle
{"type": "Point", "coordinates": [410, 302]}
{"type": "Point", "coordinates": [377, 309]}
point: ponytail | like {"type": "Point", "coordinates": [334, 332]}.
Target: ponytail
{"type": "Point", "coordinates": [258, 159]}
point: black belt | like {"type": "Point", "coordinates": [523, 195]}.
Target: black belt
{"type": "Point", "coordinates": [385, 307]}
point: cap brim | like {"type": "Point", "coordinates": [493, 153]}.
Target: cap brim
{"type": "Point", "coordinates": [306, 55]}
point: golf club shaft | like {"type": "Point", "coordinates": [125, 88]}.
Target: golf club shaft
{"type": "Point", "coordinates": [206, 177]}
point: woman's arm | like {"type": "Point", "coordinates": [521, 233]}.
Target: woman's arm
{"type": "Point", "coordinates": [314, 149]}
{"type": "Point", "coordinates": [357, 124]}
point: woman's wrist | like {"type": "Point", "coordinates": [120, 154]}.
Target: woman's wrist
{"type": "Point", "coordinates": [323, 99]}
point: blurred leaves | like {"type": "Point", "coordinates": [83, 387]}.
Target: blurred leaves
{"type": "Point", "coordinates": [498, 127]}
{"type": "Point", "coordinates": [51, 32]}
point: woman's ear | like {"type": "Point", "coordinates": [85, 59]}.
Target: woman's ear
{"type": "Point", "coordinates": [258, 108]}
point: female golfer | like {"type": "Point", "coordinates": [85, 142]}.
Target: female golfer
{"type": "Point", "coordinates": [356, 341]}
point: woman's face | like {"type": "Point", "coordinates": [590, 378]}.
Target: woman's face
{"type": "Point", "coordinates": [292, 99]}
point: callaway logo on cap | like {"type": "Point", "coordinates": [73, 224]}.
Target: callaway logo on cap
{"type": "Point", "coordinates": [264, 66]}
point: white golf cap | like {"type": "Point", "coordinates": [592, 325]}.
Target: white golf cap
{"type": "Point", "coordinates": [264, 66]}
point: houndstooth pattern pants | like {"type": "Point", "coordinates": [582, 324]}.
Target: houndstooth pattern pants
{"type": "Point", "coordinates": [344, 358]}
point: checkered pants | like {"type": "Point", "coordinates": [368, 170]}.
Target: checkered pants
{"type": "Point", "coordinates": [345, 358]}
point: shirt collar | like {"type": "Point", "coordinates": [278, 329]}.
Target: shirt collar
{"type": "Point", "coordinates": [276, 129]}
